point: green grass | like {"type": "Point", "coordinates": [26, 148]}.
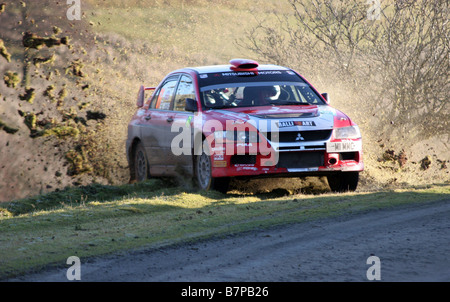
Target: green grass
{"type": "Point", "coordinates": [97, 220]}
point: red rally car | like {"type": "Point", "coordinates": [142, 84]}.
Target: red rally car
{"type": "Point", "coordinates": [241, 120]}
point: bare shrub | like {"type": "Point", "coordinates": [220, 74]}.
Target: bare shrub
{"type": "Point", "coordinates": [395, 67]}
{"type": "Point", "coordinates": [411, 49]}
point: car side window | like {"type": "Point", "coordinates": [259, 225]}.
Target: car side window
{"type": "Point", "coordinates": [185, 90]}
{"type": "Point", "coordinates": [307, 94]}
{"type": "Point", "coordinates": [163, 97]}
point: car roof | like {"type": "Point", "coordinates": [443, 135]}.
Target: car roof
{"type": "Point", "coordinates": [226, 68]}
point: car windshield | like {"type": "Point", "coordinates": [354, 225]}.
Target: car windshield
{"type": "Point", "coordinates": [259, 94]}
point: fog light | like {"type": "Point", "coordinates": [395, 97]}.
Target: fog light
{"type": "Point", "coordinates": [332, 161]}
{"type": "Point", "coordinates": [333, 158]}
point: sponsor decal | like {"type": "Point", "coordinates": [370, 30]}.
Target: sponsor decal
{"type": "Point", "coordinates": [325, 111]}
{"type": "Point", "coordinates": [188, 121]}
{"type": "Point", "coordinates": [241, 73]}
{"type": "Point", "coordinates": [246, 168]}
{"type": "Point", "coordinates": [295, 123]}
{"type": "Point", "coordinates": [218, 157]}
{"type": "Point", "coordinates": [250, 73]}
{"type": "Point", "coordinates": [220, 163]}
{"type": "Point", "coordinates": [302, 169]}
{"type": "Point", "coordinates": [250, 168]}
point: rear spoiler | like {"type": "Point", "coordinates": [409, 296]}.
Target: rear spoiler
{"type": "Point", "coordinates": [141, 95]}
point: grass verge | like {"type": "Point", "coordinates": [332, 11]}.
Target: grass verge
{"type": "Point", "coordinates": [95, 220]}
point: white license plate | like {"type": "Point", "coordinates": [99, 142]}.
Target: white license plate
{"type": "Point", "coordinates": [344, 146]}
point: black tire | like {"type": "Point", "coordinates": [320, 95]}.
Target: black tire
{"type": "Point", "coordinates": [203, 175]}
{"type": "Point", "coordinates": [141, 167]}
{"type": "Point", "coordinates": [343, 182]}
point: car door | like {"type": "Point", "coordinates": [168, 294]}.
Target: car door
{"type": "Point", "coordinates": [157, 130]}
{"type": "Point", "coordinates": [182, 127]}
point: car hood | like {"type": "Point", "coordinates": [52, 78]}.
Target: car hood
{"type": "Point", "coordinates": [286, 118]}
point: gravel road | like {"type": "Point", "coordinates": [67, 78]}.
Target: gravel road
{"type": "Point", "coordinates": [411, 242]}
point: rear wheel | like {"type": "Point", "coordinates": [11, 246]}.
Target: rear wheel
{"type": "Point", "coordinates": [140, 163]}
{"type": "Point", "coordinates": [343, 182]}
{"type": "Point", "coordinates": [203, 175]}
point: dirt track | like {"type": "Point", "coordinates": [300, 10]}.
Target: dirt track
{"type": "Point", "coordinates": [411, 242]}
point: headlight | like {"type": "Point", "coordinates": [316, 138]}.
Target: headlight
{"type": "Point", "coordinates": [347, 132]}
{"type": "Point", "coordinates": [236, 136]}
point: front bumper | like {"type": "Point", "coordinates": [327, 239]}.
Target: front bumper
{"type": "Point", "coordinates": [310, 159]}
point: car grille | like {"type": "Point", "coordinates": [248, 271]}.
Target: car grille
{"type": "Point", "coordinates": [294, 137]}
{"type": "Point", "coordinates": [300, 159]}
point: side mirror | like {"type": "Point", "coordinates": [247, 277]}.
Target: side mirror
{"type": "Point", "coordinates": [325, 96]}
{"type": "Point", "coordinates": [140, 98]}
{"type": "Point", "coordinates": [141, 95]}
{"type": "Point", "coordinates": [191, 105]}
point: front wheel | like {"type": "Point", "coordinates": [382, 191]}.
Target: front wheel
{"type": "Point", "coordinates": [203, 175]}
{"type": "Point", "coordinates": [343, 182]}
